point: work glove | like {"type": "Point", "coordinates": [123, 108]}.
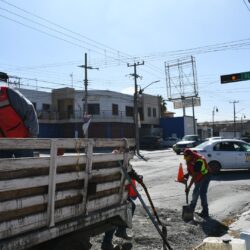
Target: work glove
{"type": "Point", "coordinates": [184, 181]}
{"type": "Point", "coordinates": [140, 179]}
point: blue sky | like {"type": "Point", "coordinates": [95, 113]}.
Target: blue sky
{"type": "Point", "coordinates": [46, 40]}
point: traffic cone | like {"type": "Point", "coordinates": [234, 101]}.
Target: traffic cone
{"type": "Point", "coordinates": [180, 176]}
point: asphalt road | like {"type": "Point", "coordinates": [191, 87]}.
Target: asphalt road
{"type": "Point", "coordinates": [228, 194]}
{"type": "Point", "coordinates": [228, 197]}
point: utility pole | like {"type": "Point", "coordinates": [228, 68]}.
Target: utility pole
{"type": "Point", "coordinates": [136, 104]}
{"type": "Point", "coordinates": [214, 109]}
{"type": "Point", "coordinates": [86, 67]}
{"type": "Point", "coordinates": [194, 124]}
{"type": "Point", "coordinates": [71, 77]}
{"type": "Point", "coordinates": [234, 117]}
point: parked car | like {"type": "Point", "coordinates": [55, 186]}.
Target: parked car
{"type": "Point", "coordinates": [170, 141]}
{"type": "Point", "coordinates": [214, 138]}
{"type": "Point", "coordinates": [188, 141]}
{"type": "Point", "coordinates": [225, 154]}
{"type": "Point", "coordinates": [151, 142]}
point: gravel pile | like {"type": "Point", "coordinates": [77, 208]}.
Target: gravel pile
{"type": "Point", "coordinates": [180, 235]}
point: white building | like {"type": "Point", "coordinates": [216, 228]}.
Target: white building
{"type": "Point", "coordinates": [61, 112]}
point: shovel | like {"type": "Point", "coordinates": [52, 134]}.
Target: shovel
{"type": "Point", "coordinates": [164, 231]}
{"type": "Point", "coordinates": [187, 211]}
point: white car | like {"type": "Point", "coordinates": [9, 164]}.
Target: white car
{"type": "Point", "coordinates": [225, 154]}
{"type": "Point", "coordinates": [214, 138]}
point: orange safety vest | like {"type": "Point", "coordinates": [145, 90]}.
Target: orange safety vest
{"type": "Point", "coordinates": [204, 169]}
{"type": "Point", "coordinates": [11, 124]}
{"type": "Point", "coordinates": [131, 191]}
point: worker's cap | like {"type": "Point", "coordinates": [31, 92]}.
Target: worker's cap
{"type": "Point", "coordinates": [188, 152]}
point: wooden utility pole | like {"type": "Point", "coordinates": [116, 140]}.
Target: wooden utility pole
{"type": "Point", "coordinates": [136, 104]}
{"type": "Point", "coordinates": [86, 67]}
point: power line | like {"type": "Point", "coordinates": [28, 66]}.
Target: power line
{"type": "Point", "coordinates": [246, 4]}
{"type": "Point", "coordinates": [68, 30]}
{"type": "Point", "coordinates": [61, 27]}
{"type": "Point", "coordinates": [115, 61]}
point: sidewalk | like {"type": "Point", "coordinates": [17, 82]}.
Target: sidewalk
{"type": "Point", "coordinates": [241, 228]}
{"type": "Point", "coordinates": [242, 223]}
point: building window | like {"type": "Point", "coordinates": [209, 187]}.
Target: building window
{"type": "Point", "coordinates": [129, 111]}
{"type": "Point", "coordinates": [46, 107]}
{"type": "Point", "coordinates": [149, 112]}
{"type": "Point", "coordinates": [94, 109]}
{"type": "Point", "coordinates": [154, 112]}
{"type": "Point", "coordinates": [114, 109]}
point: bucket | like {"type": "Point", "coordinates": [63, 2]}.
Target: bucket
{"type": "Point", "coordinates": [215, 243]}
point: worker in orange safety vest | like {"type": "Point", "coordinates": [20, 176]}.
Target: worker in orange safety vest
{"type": "Point", "coordinates": [18, 119]}
{"type": "Point", "coordinates": [198, 170]}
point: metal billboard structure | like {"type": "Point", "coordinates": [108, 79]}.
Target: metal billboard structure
{"type": "Point", "coordinates": [187, 102]}
{"type": "Point", "coordinates": [182, 84]}
{"type": "Point", "coordinates": [181, 79]}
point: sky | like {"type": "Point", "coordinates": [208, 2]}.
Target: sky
{"type": "Point", "coordinates": [44, 42]}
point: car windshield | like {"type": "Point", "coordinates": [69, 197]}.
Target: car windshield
{"type": "Point", "coordinates": [245, 147]}
{"type": "Point", "coordinates": [189, 138]}
{"type": "Point", "coordinates": [203, 145]}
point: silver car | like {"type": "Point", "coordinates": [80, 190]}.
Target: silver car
{"type": "Point", "coordinates": [225, 154]}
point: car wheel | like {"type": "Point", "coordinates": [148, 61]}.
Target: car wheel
{"type": "Point", "coordinates": [178, 153]}
{"type": "Point", "coordinates": [214, 167]}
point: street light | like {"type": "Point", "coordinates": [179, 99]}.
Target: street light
{"type": "Point", "coordinates": [241, 123]}
{"type": "Point", "coordinates": [142, 89]}
{"type": "Point", "coordinates": [215, 109]}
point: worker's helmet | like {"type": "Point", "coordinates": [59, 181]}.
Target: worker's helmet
{"type": "Point", "coordinates": [188, 152]}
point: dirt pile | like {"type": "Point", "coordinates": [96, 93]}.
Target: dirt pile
{"type": "Point", "coordinates": [180, 235]}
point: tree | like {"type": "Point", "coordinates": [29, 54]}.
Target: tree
{"type": "Point", "coordinates": [163, 105]}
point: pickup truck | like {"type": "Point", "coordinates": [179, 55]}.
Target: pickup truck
{"type": "Point", "coordinates": [56, 201]}
{"type": "Point", "coordinates": [188, 141]}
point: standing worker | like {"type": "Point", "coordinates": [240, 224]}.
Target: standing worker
{"type": "Point", "coordinates": [198, 170]}
{"type": "Point", "coordinates": [121, 231]}
{"type": "Point", "coordinates": [18, 119]}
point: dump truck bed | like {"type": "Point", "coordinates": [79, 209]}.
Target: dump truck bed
{"type": "Point", "coordinates": [45, 197]}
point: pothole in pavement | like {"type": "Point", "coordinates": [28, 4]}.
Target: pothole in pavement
{"type": "Point", "coordinates": [180, 235]}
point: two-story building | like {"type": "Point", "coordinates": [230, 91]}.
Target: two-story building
{"type": "Point", "coordinates": [61, 112]}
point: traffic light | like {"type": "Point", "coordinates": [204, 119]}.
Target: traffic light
{"type": "Point", "coordinates": [3, 77]}
{"type": "Point", "coordinates": [235, 77]}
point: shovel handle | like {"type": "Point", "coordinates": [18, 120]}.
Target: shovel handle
{"type": "Point", "coordinates": [186, 192]}
{"type": "Point", "coordinates": [151, 202]}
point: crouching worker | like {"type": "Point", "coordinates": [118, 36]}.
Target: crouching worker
{"type": "Point", "coordinates": [198, 170]}
{"type": "Point", "coordinates": [121, 231]}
